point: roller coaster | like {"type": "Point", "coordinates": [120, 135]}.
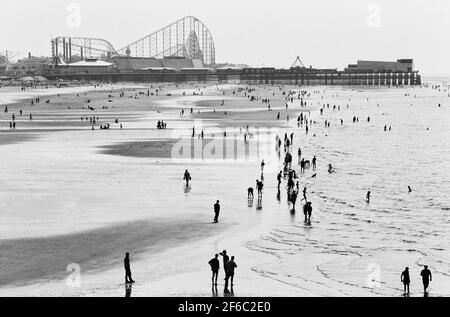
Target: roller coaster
{"type": "Point", "coordinates": [186, 38]}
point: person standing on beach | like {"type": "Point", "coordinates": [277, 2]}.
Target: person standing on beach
{"type": "Point", "coordinates": [279, 178]}
{"type": "Point", "coordinates": [368, 197]}
{"type": "Point", "coordinates": [259, 186]}
{"type": "Point", "coordinates": [230, 266]}
{"type": "Point", "coordinates": [405, 280]}
{"type": "Point", "coordinates": [426, 278]}
{"type": "Point", "coordinates": [314, 161]}
{"type": "Point", "coordinates": [126, 263]}
{"type": "Point", "coordinates": [215, 266]}
{"type": "Point", "coordinates": [225, 260]}
{"type": "Point", "coordinates": [216, 212]}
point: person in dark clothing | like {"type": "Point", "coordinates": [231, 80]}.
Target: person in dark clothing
{"type": "Point", "coordinates": [259, 186]}
{"type": "Point", "coordinates": [126, 263]}
{"type": "Point", "coordinates": [216, 212]}
{"type": "Point", "coordinates": [290, 184]}
{"type": "Point", "coordinates": [230, 266]}
{"type": "Point", "coordinates": [225, 260]}
{"type": "Point", "coordinates": [304, 195]}
{"type": "Point", "coordinates": [307, 211]}
{"type": "Point", "coordinates": [293, 199]}
{"type": "Point", "coordinates": [279, 177]}
{"type": "Point", "coordinates": [215, 265]}
{"type": "Point", "coordinates": [426, 278]}
{"type": "Point", "coordinates": [405, 280]}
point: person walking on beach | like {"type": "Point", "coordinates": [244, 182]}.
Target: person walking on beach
{"type": "Point", "coordinates": [230, 266]}
{"type": "Point", "coordinates": [126, 263]}
{"type": "Point", "coordinates": [215, 265]}
{"type": "Point", "coordinates": [279, 178]}
{"type": "Point", "coordinates": [405, 280]}
{"type": "Point", "coordinates": [314, 161]}
{"type": "Point", "coordinates": [216, 212]}
{"type": "Point", "coordinates": [426, 278]}
{"type": "Point", "coordinates": [368, 197]}
{"type": "Point", "coordinates": [187, 177]}
{"type": "Point", "coordinates": [293, 199]}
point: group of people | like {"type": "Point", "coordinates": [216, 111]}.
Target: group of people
{"type": "Point", "coordinates": [161, 125]}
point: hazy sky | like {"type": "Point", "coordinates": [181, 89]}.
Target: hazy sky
{"type": "Point", "coordinates": [324, 33]}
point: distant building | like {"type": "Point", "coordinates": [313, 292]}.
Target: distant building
{"type": "Point", "coordinates": [401, 65]}
{"type": "Point", "coordinates": [31, 66]}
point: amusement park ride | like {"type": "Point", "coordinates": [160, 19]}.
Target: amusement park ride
{"type": "Point", "coordinates": [186, 38]}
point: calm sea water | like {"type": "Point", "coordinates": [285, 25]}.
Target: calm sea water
{"type": "Point", "coordinates": [356, 248]}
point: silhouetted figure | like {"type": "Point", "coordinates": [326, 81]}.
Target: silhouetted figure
{"type": "Point", "coordinates": [279, 178]}
{"type": "Point", "coordinates": [368, 197]}
{"type": "Point", "coordinates": [126, 263]}
{"type": "Point", "coordinates": [290, 184]}
{"type": "Point", "coordinates": [187, 177]}
{"type": "Point", "coordinates": [314, 161]}
{"type": "Point", "coordinates": [216, 212]}
{"type": "Point", "coordinates": [304, 195]}
{"type": "Point", "coordinates": [215, 265]}
{"type": "Point", "coordinates": [307, 211]}
{"type": "Point", "coordinates": [225, 260]}
{"type": "Point", "coordinates": [405, 280]}
{"type": "Point", "coordinates": [128, 289]}
{"type": "Point", "coordinates": [293, 199]}
{"type": "Point", "coordinates": [250, 193]}
{"type": "Point", "coordinates": [426, 278]}
{"type": "Point", "coordinates": [230, 266]}
{"type": "Point", "coordinates": [215, 292]}
{"type": "Point", "coordinates": [259, 186]}
{"type": "Point", "coordinates": [409, 189]}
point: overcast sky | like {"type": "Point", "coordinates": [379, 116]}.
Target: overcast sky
{"type": "Point", "coordinates": [324, 33]}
